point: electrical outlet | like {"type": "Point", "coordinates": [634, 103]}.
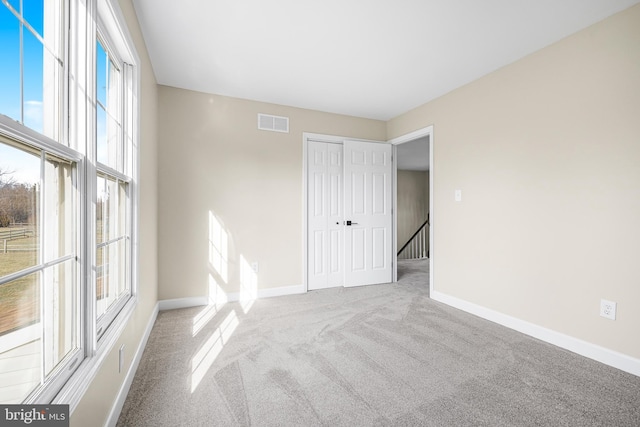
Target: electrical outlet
{"type": "Point", "coordinates": [255, 267]}
{"type": "Point", "coordinates": [608, 309]}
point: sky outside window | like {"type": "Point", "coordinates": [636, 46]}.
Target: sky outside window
{"type": "Point", "coordinates": [16, 4]}
{"type": "Point", "coordinates": [22, 98]}
{"type": "Point", "coordinates": [23, 86]}
{"type": "Point", "coordinates": [101, 74]}
{"type": "Point", "coordinates": [9, 64]}
{"type": "Point", "coordinates": [101, 109]}
{"type": "Point", "coordinates": [33, 13]}
{"type": "Point", "coordinates": [33, 78]}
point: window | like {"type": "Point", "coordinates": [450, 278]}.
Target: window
{"type": "Point", "coordinates": [32, 63]}
{"type": "Point", "coordinates": [112, 249]}
{"type": "Point", "coordinates": [67, 194]}
{"type": "Point", "coordinates": [112, 261]}
{"type": "Point", "coordinates": [39, 320]}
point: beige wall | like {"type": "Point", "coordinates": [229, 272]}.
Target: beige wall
{"type": "Point", "coordinates": [547, 154]}
{"type": "Point", "coordinates": [94, 407]}
{"type": "Point", "coordinates": [213, 159]}
{"type": "Point", "coordinates": [545, 150]}
{"type": "Point", "coordinates": [413, 203]}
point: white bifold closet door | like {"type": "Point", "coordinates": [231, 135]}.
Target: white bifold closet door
{"type": "Point", "coordinates": [325, 228]}
{"type": "Point", "coordinates": [368, 201]}
{"type": "Point", "coordinates": [349, 223]}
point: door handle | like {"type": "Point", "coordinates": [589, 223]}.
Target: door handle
{"type": "Point", "coordinates": [351, 223]}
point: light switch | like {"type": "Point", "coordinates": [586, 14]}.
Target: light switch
{"type": "Point", "coordinates": [458, 195]}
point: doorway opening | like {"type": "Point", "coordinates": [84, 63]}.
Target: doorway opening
{"type": "Point", "coordinates": [413, 202]}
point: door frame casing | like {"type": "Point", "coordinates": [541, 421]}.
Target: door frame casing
{"type": "Point", "coordinates": [335, 139]}
{"type": "Point", "coordinates": [411, 136]}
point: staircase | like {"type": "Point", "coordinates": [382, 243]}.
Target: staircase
{"type": "Point", "coordinates": [418, 245]}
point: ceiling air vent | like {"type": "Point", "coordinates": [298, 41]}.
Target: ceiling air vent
{"type": "Point", "coordinates": [273, 123]}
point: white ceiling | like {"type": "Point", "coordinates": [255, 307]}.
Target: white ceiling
{"type": "Point", "coordinates": [366, 58]}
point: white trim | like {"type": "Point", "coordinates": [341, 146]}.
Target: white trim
{"type": "Point", "coordinates": [74, 389]}
{"type": "Point", "coordinates": [575, 345]}
{"type": "Point", "coordinates": [431, 250]}
{"type": "Point", "coordinates": [14, 130]}
{"type": "Point", "coordinates": [281, 291]}
{"type": "Point", "coordinates": [114, 414]}
{"type": "Point", "coordinates": [411, 136]}
{"type": "Point", "coordinates": [306, 136]}
{"type": "Point", "coordinates": [394, 204]}
{"type": "Point", "coordinates": [126, 48]}
{"type": "Point", "coordinates": [172, 304]}
{"type": "Point", "coordinates": [305, 212]}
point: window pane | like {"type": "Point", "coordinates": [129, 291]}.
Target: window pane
{"type": "Point", "coordinates": [109, 137]}
{"type": "Point", "coordinates": [20, 333]}
{"type": "Point", "coordinates": [106, 210]}
{"type": "Point", "coordinates": [112, 259]}
{"type": "Point", "coordinates": [60, 223]}
{"type": "Point", "coordinates": [108, 110]}
{"type": "Point", "coordinates": [122, 286]}
{"type": "Point", "coordinates": [114, 146]}
{"type": "Point", "coordinates": [20, 301]}
{"type": "Point", "coordinates": [33, 13]}
{"type": "Point", "coordinates": [113, 94]}
{"type": "Point", "coordinates": [102, 154]}
{"type": "Point", "coordinates": [60, 308]}
{"type": "Point", "coordinates": [30, 94]}
{"type": "Point", "coordinates": [41, 71]}
{"type": "Point", "coordinates": [33, 82]}
{"type": "Point", "coordinates": [15, 4]}
{"type": "Point", "coordinates": [101, 74]}
{"type": "Point", "coordinates": [112, 273]}
{"type": "Point", "coordinates": [104, 297]}
{"type": "Point", "coordinates": [19, 209]}
{"type": "Point", "coordinates": [111, 209]}
{"type": "Point", "coordinates": [9, 64]}
{"type": "Point", "coordinates": [123, 197]}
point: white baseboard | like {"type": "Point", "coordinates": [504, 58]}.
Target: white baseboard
{"type": "Point", "coordinates": [114, 414]}
{"type": "Point", "coordinates": [281, 291]}
{"type": "Point", "coordinates": [170, 304]}
{"type": "Point", "coordinates": [583, 348]}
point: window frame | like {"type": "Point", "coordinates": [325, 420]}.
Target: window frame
{"type": "Point", "coordinates": [113, 55]}
{"type": "Point", "coordinates": [104, 320]}
{"type": "Point", "coordinates": [80, 23]}
{"type": "Point", "coordinates": [60, 42]}
{"type": "Point", "coordinates": [120, 65]}
{"type": "Point", "coordinates": [108, 17]}
{"type": "Point", "coordinates": [61, 374]}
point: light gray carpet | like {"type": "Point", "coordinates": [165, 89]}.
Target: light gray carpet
{"type": "Point", "coordinates": [369, 356]}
